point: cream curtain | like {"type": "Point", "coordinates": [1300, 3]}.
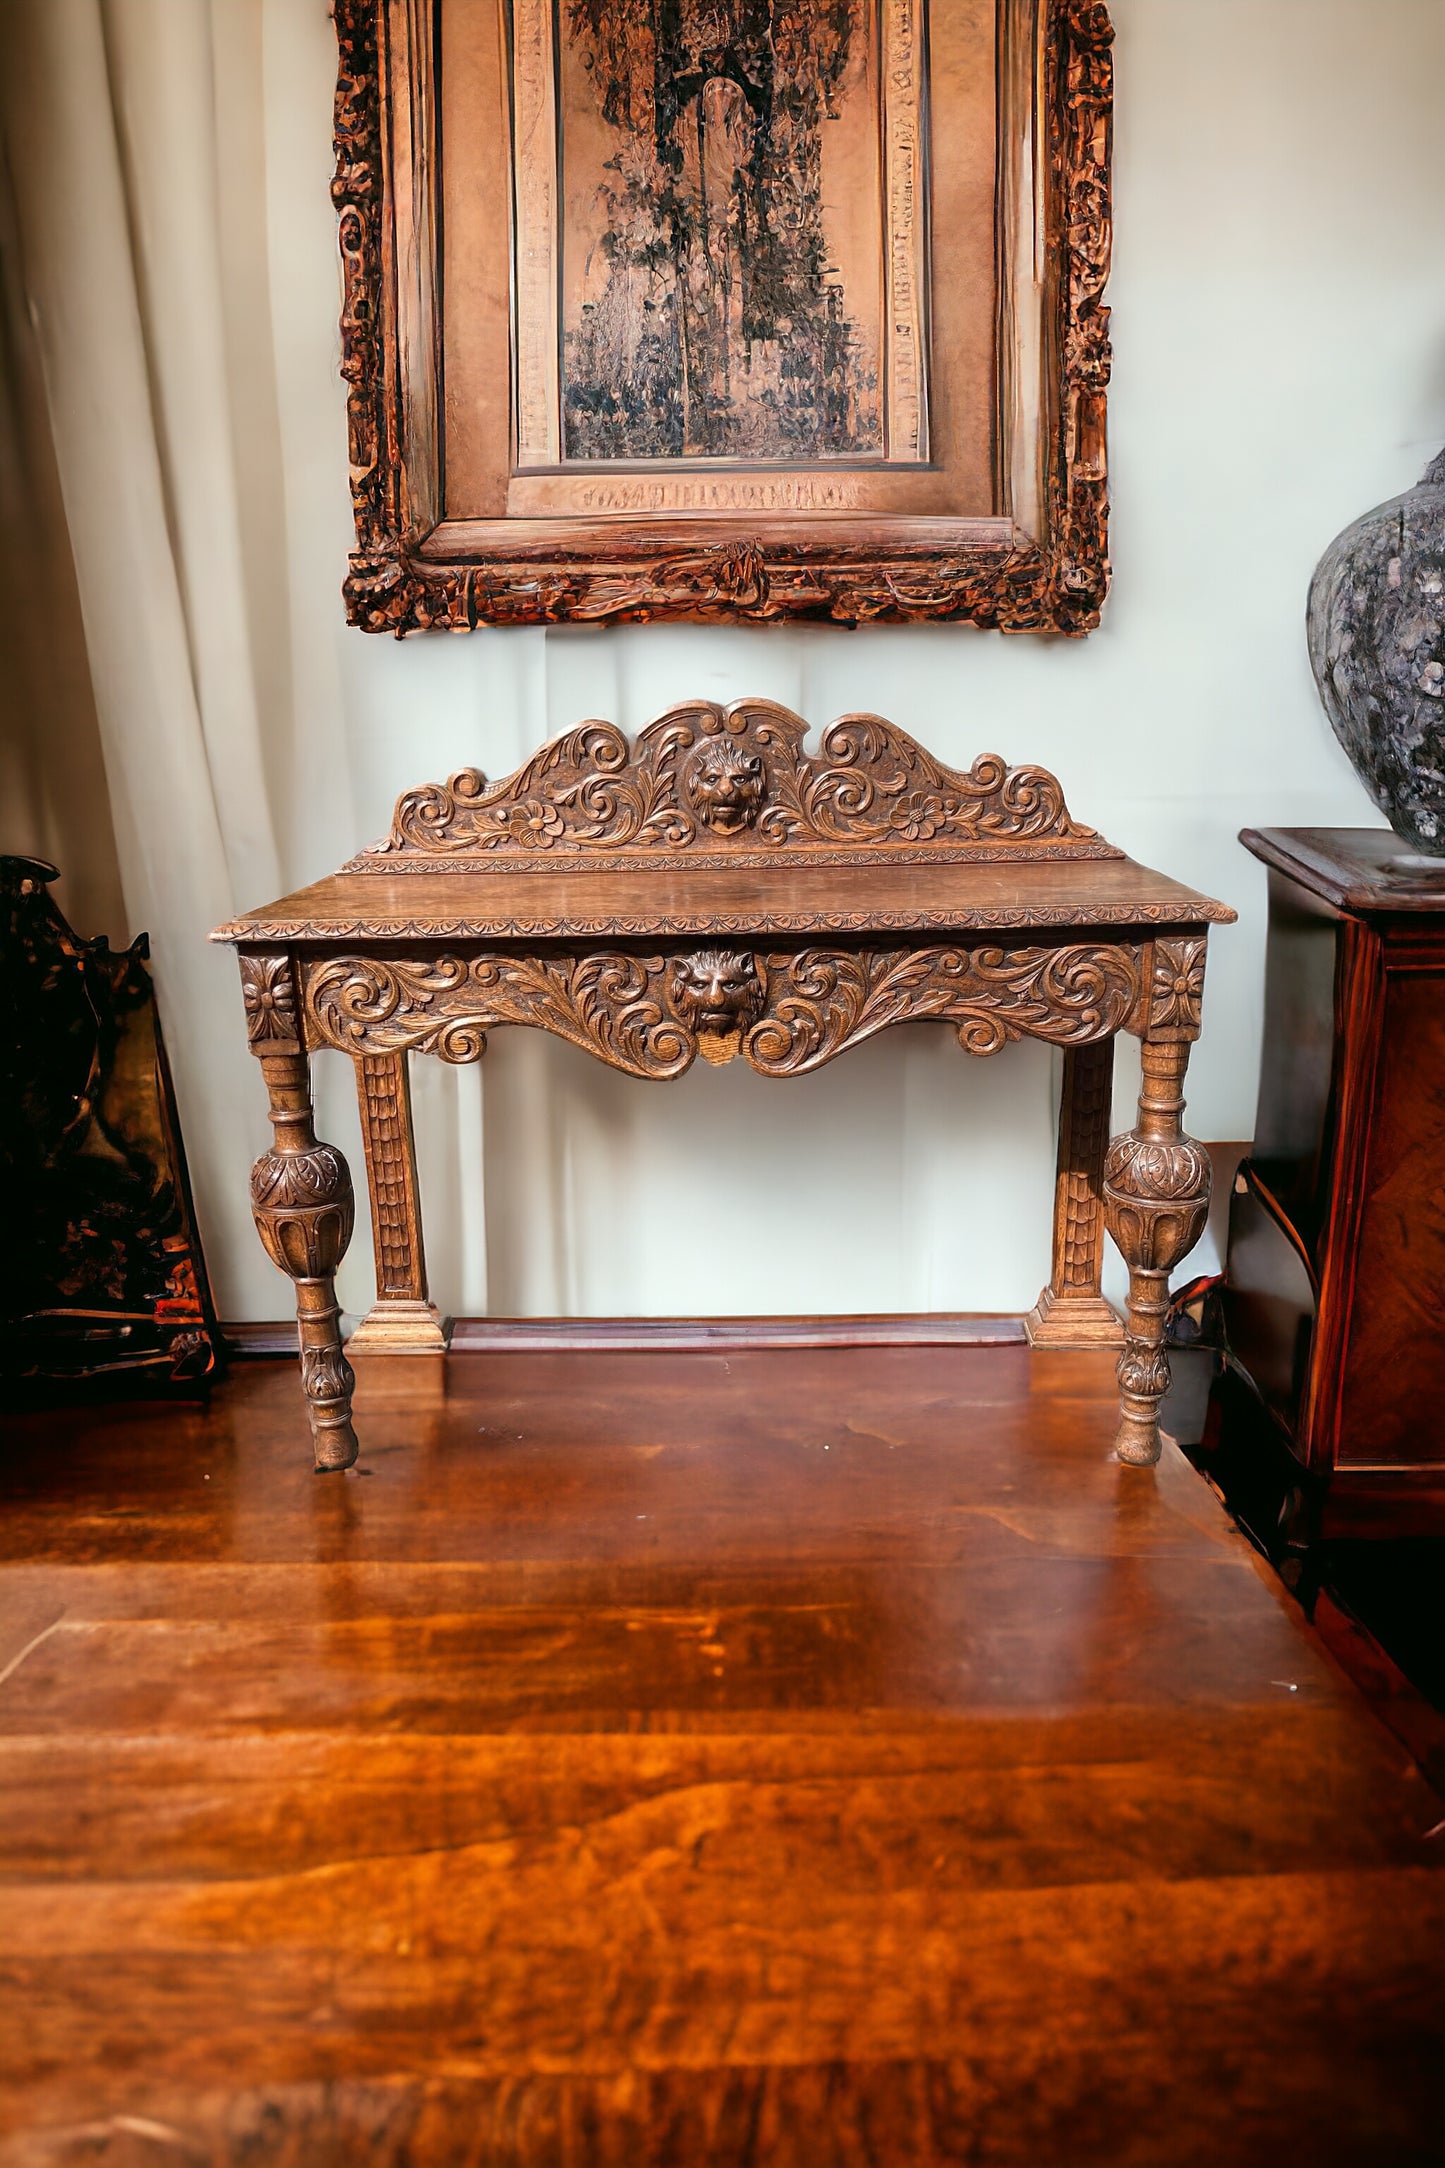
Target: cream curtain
{"type": "Point", "coordinates": [126, 229]}
{"type": "Point", "coordinates": [191, 728]}
{"type": "Point", "coordinates": [53, 797]}
{"type": "Point", "coordinates": [174, 286]}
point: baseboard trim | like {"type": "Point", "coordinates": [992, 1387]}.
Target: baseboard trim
{"type": "Point", "coordinates": [639, 1335]}
{"type": "Point", "coordinates": [268, 1336]}
{"type": "Point", "coordinates": [531, 1335]}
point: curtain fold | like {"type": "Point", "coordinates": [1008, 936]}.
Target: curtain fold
{"type": "Point", "coordinates": [54, 802]}
{"type": "Point", "coordinates": [134, 141]}
{"type": "Point", "coordinates": [182, 825]}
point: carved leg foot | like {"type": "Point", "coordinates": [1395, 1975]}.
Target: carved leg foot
{"type": "Point", "coordinates": [302, 1201]}
{"type": "Point", "coordinates": [1156, 1198]}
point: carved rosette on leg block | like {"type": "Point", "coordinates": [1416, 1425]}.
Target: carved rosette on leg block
{"type": "Point", "coordinates": [1156, 1199]}
{"type": "Point", "coordinates": [1071, 1311]}
{"type": "Point", "coordinates": [302, 1202]}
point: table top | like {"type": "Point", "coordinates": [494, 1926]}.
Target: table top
{"type": "Point", "coordinates": [1356, 869]}
{"type": "Point", "coordinates": [584, 901]}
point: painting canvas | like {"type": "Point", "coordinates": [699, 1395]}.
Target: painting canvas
{"type": "Point", "coordinates": [719, 213]}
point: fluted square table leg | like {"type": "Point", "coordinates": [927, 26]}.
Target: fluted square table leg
{"type": "Point", "coordinates": [401, 1321]}
{"type": "Point", "coordinates": [1071, 1311]}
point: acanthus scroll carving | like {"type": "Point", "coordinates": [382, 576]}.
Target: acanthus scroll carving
{"type": "Point", "coordinates": [736, 786]}
{"type": "Point", "coordinates": [788, 1013]}
{"type": "Point", "coordinates": [823, 1000]}
{"type": "Point", "coordinates": [611, 1005]}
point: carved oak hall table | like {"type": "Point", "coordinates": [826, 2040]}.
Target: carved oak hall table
{"type": "Point", "coordinates": [714, 888]}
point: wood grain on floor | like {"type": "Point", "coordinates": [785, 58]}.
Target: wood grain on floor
{"type": "Point", "coordinates": [787, 1757]}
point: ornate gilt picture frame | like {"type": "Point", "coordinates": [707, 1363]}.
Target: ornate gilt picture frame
{"type": "Point", "coordinates": [749, 310]}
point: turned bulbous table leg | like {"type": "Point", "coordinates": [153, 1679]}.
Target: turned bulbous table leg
{"type": "Point", "coordinates": [301, 1200]}
{"type": "Point", "coordinates": [304, 1210]}
{"type": "Point", "coordinates": [1156, 1199]}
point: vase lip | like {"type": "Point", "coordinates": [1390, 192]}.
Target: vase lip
{"type": "Point", "coordinates": [1435, 472]}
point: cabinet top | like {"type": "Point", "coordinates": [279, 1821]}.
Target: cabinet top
{"type": "Point", "coordinates": [1356, 869]}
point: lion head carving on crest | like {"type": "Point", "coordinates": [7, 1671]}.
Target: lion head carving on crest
{"type": "Point", "coordinates": [725, 784]}
{"type": "Point", "coordinates": [717, 993]}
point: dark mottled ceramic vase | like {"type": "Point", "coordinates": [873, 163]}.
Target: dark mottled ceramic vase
{"type": "Point", "coordinates": [1377, 644]}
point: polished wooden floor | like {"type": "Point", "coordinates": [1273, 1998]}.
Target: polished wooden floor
{"type": "Point", "coordinates": [771, 1757]}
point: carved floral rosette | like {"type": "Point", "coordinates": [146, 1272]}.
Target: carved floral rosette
{"type": "Point", "coordinates": [1176, 993]}
{"type": "Point", "coordinates": [736, 785]}
{"type": "Point", "coordinates": [268, 996]}
{"type": "Point", "coordinates": [788, 1013]}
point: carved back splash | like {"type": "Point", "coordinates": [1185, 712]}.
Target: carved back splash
{"type": "Point", "coordinates": [733, 786]}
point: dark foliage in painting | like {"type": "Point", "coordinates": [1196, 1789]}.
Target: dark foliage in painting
{"type": "Point", "coordinates": [711, 322]}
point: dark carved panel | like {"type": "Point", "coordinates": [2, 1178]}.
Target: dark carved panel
{"type": "Point", "coordinates": [101, 1263]}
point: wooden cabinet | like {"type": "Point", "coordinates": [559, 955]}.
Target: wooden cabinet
{"type": "Point", "coordinates": [1337, 1225]}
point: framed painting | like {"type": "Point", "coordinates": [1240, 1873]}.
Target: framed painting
{"type": "Point", "coordinates": [757, 310]}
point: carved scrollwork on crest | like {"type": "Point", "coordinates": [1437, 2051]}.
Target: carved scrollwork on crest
{"type": "Point", "coordinates": [788, 1013]}
{"type": "Point", "coordinates": [735, 786]}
